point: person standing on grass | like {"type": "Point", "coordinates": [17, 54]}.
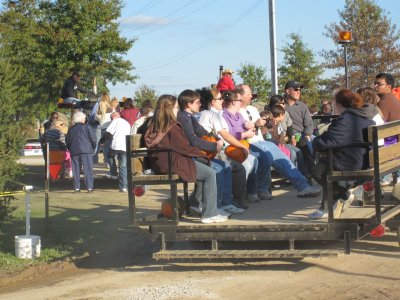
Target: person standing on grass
{"type": "Point", "coordinates": [117, 131]}
{"type": "Point", "coordinates": [81, 143]}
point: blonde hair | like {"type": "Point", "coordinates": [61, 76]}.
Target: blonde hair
{"type": "Point", "coordinates": [114, 103]}
{"type": "Point", "coordinates": [104, 105]}
{"type": "Point", "coordinates": [58, 124]}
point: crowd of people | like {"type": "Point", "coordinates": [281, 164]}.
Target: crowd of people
{"type": "Point", "coordinates": [283, 136]}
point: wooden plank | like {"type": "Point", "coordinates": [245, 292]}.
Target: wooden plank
{"type": "Point", "coordinates": [368, 172]}
{"type": "Point", "coordinates": [389, 165]}
{"type": "Point", "coordinates": [365, 212]}
{"type": "Point", "coordinates": [387, 153]}
{"type": "Point", "coordinates": [243, 254]}
{"type": "Point", "coordinates": [384, 130]}
{"type": "Point", "coordinates": [390, 213]}
{"type": "Point", "coordinates": [154, 177]}
{"type": "Point", "coordinates": [135, 141]}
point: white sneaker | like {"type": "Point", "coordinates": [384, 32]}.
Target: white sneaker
{"type": "Point", "coordinates": [309, 192]}
{"type": "Point", "coordinates": [197, 210]}
{"type": "Point", "coordinates": [318, 214]}
{"type": "Point", "coordinates": [233, 209]}
{"type": "Point", "coordinates": [223, 212]}
{"type": "Point", "coordinates": [214, 219]}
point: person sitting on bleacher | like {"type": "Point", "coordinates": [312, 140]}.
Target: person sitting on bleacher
{"type": "Point", "coordinates": [349, 128]}
{"type": "Point", "coordinates": [188, 162]}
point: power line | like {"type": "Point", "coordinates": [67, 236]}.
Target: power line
{"type": "Point", "coordinates": [196, 10]}
{"type": "Point", "coordinates": [163, 17]}
{"type": "Point", "coordinates": [146, 7]}
{"type": "Point", "coordinates": [202, 44]}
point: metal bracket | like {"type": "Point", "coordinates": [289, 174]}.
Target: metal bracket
{"type": "Point", "coordinates": [214, 245]}
{"type": "Point", "coordinates": [162, 242]}
{"type": "Point", "coordinates": [291, 243]}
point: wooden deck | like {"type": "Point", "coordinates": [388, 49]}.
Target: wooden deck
{"type": "Point", "coordinates": [284, 208]}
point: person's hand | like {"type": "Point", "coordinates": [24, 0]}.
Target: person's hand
{"type": "Point", "coordinates": [293, 141]}
{"type": "Point", "coordinates": [220, 144]}
{"type": "Point", "coordinates": [249, 125]}
{"type": "Point", "coordinates": [248, 134]}
{"type": "Point", "coordinates": [261, 122]}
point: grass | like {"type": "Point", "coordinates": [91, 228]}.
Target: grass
{"type": "Point", "coordinates": [79, 225]}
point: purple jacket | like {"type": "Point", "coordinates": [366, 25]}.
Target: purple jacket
{"type": "Point", "coordinates": [235, 123]}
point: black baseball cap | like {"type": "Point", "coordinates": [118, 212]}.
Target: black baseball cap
{"type": "Point", "coordinates": [293, 84]}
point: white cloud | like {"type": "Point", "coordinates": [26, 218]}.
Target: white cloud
{"type": "Point", "coordinates": [144, 20]}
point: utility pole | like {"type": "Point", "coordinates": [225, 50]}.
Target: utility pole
{"type": "Point", "coordinates": [272, 43]}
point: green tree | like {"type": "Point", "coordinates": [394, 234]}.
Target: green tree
{"type": "Point", "coordinates": [257, 79]}
{"type": "Point", "coordinates": [144, 93]}
{"type": "Point", "coordinates": [49, 39]}
{"type": "Point", "coordinates": [11, 139]}
{"type": "Point", "coordinates": [375, 47]}
{"type": "Point", "coordinates": [299, 64]}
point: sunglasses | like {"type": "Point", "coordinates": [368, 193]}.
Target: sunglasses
{"type": "Point", "coordinates": [297, 90]}
{"type": "Point", "coordinates": [379, 83]}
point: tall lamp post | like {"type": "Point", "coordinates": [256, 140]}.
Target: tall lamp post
{"type": "Point", "coordinates": [345, 37]}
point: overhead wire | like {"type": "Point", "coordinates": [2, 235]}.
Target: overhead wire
{"type": "Point", "coordinates": [146, 7]}
{"type": "Point", "coordinates": [158, 21]}
{"type": "Point", "coordinates": [200, 45]}
{"type": "Point", "coordinates": [196, 10]}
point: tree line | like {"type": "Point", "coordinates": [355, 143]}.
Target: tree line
{"type": "Point", "coordinates": [42, 42]}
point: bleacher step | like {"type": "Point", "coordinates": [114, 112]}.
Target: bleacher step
{"type": "Point", "coordinates": [243, 254]}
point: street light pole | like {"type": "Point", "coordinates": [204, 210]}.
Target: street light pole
{"type": "Point", "coordinates": [345, 37]}
{"type": "Point", "coordinates": [272, 45]}
{"type": "Point", "coordinates": [346, 73]}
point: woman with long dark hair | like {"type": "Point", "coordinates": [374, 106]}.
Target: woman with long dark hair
{"type": "Point", "coordinates": [164, 132]}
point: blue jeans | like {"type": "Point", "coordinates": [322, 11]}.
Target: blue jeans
{"type": "Point", "coordinates": [224, 182]}
{"type": "Point", "coordinates": [106, 149]}
{"type": "Point", "coordinates": [122, 174]}
{"type": "Point", "coordinates": [97, 131]}
{"type": "Point", "coordinates": [206, 179]}
{"type": "Point", "coordinates": [269, 154]}
{"type": "Point", "coordinates": [297, 160]}
{"type": "Point", "coordinates": [77, 102]}
{"type": "Point", "coordinates": [85, 160]}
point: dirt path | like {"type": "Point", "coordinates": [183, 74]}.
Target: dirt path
{"type": "Point", "coordinates": [124, 270]}
{"type": "Point", "coordinates": [370, 272]}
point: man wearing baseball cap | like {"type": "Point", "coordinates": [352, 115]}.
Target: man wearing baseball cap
{"type": "Point", "coordinates": [303, 125]}
{"type": "Point", "coordinates": [226, 82]}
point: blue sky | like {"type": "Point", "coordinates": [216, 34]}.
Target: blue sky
{"type": "Point", "coordinates": [181, 43]}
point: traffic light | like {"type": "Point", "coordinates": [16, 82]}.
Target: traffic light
{"type": "Point", "coordinates": [345, 36]}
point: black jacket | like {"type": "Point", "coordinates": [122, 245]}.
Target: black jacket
{"type": "Point", "coordinates": [80, 139]}
{"type": "Point", "coordinates": [70, 87]}
{"type": "Point", "coordinates": [194, 131]}
{"type": "Point", "coordinates": [350, 128]}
